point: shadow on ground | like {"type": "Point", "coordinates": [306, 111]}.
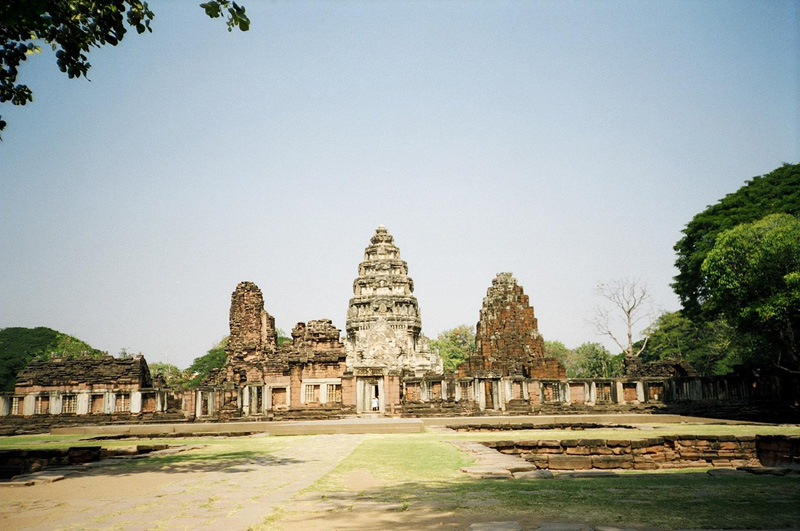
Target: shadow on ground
{"type": "Point", "coordinates": [189, 462]}
{"type": "Point", "coordinates": [664, 501]}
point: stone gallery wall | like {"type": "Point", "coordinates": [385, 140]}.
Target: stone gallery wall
{"type": "Point", "coordinates": [384, 357]}
{"type": "Point", "coordinates": [85, 372]}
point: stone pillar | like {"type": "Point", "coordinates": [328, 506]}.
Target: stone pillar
{"type": "Point", "coordinates": [620, 399]}
{"type": "Point", "coordinates": [109, 402]}
{"type": "Point", "coordinates": [263, 399]}
{"type": "Point", "coordinates": [245, 400]}
{"type": "Point", "coordinates": [212, 403]}
{"type": "Point", "coordinates": [136, 402]}
{"type": "Point", "coordinates": [382, 390]}
{"type": "Point", "coordinates": [55, 403]}
{"type": "Point", "coordinates": [566, 392]}
{"type": "Point", "coordinates": [507, 392]}
{"type": "Point", "coordinates": [5, 405]}
{"type": "Point", "coordinates": [29, 405]}
{"type": "Point", "coordinates": [198, 404]}
{"type": "Point", "coordinates": [267, 398]}
{"type": "Point", "coordinates": [481, 392]}
{"type": "Point", "coordinates": [586, 393]}
{"type": "Point", "coordinates": [640, 392]}
{"type": "Point", "coordinates": [696, 390]}
{"type": "Point", "coordinates": [82, 403]}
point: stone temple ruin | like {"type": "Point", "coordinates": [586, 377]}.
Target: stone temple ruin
{"type": "Point", "coordinates": [383, 365]}
{"type": "Point", "coordinates": [509, 350]}
{"type": "Point", "coordinates": [384, 327]}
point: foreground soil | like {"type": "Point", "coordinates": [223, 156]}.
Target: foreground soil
{"type": "Point", "coordinates": [366, 482]}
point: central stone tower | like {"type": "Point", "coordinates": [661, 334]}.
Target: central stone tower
{"type": "Point", "coordinates": [383, 320]}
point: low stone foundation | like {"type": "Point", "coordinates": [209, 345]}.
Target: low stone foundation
{"type": "Point", "coordinates": [778, 450]}
{"type": "Point", "coordinates": [683, 451]}
{"type": "Point", "coordinates": [17, 462]}
{"type": "Point", "coordinates": [43, 423]}
{"type": "Point", "coordinates": [576, 426]}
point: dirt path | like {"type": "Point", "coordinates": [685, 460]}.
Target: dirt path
{"type": "Point", "coordinates": [207, 496]}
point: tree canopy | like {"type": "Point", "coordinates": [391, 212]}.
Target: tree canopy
{"type": "Point", "coordinates": [752, 276]}
{"type": "Point", "coordinates": [595, 361]}
{"type": "Point", "coordinates": [776, 192]}
{"type": "Point", "coordinates": [455, 345]}
{"type": "Point", "coordinates": [71, 28]}
{"type": "Point", "coordinates": [711, 347]}
{"type": "Point", "coordinates": [202, 365]}
{"type": "Point", "coordinates": [19, 346]}
{"type": "Point", "coordinates": [171, 374]}
{"type": "Point", "coordinates": [589, 360]}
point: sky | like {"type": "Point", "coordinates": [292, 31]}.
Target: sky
{"type": "Point", "coordinates": [566, 142]}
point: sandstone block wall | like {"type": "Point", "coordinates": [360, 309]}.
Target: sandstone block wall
{"type": "Point", "coordinates": [684, 451]}
{"type": "Point", "coordinates": [85, 372]}
{"type": "Point", "coordinates": [15, 462]}
{"type": "Point", "coordinates": [778, 450]}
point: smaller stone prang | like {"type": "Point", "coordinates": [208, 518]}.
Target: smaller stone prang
{"type": "Point", "coordinates": [318, 341]}
{"type": "Point", "coordinates": [507, 339]}
{"type": "Point", "coordinates": [252, 329]}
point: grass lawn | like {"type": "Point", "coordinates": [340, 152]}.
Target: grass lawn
{"type": "Point", "coordinates": [420, 473]}
{"type": "Point", "coordinates": [422, 470]}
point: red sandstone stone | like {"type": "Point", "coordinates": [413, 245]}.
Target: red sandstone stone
{"type": "Point", "coordinates": [569, 462]}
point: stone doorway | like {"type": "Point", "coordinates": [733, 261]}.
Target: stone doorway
{"type": "Point", "coordinates": [492, 394]}
{"type": "Point", "coordinates": [367, 390]}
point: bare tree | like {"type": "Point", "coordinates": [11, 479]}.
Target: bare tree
{"type": "Point", "coordinates": [629, 303]}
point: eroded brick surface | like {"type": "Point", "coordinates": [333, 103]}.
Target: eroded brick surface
{"type": "Point", "coordinates": [507, 339]}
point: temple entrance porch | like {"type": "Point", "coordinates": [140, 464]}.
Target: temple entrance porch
{"type": "Point", "coordinates": [370, 393]}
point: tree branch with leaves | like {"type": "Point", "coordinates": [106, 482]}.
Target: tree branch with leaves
{"type": "Point", "coordinates": [72, 28]}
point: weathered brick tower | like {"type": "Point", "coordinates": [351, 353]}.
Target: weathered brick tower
{"type": "Point", "coordinates": [507, 338]}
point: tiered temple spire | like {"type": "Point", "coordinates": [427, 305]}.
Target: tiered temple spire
{"type": "Point", "coordinates": [383, 319]}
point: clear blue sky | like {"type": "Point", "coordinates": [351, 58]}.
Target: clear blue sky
{"type": "Point", "coordinates": [567, 142]}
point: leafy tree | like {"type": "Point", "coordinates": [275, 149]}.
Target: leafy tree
{"type": "Point", "coordinates": [202, 366]}
{"type": "Point", "coordinates": [19, 346]}
{"type": "Point", "coordinates": [595, 361]}
{"type": "Point", "coordinates": [565, 356]}
{"type": "Point", "coordinates": [72, 28]}
{"type": "Point", "coordinates": [752, 276]}
{"type": "Point", "coordinates": [125, 354]}
{"type": "Point", "coordinates": [172, 375]}
{"type": "Point", "coordinates": [628, 303]}
{"type": "Point", "coordinates": [282, 337]}
{"type": "Point", "coordinates": [455, 346]}
{"type": "Point", "coordinates": [776, 192]}
{"type": "Point", "coordinates": [711, 347]}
